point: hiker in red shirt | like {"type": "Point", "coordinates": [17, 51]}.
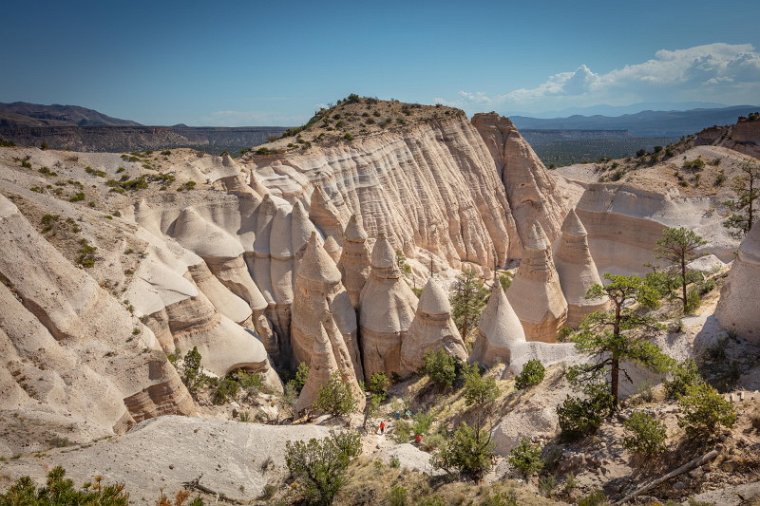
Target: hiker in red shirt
{"type": "Point", "coordinates": [382, 427]}
{"type": "Point", "coordinates": [418, 439]}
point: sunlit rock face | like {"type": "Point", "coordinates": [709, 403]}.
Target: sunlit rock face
{"type": "Point", "coordinates": [739, 306]}
{"type": "Point", "coordinates": [354, 259]}
{"type": "Point", "coordinates": [432, 329]}
{"type": "Point", "coordinates": [324, 331]}
{"type": "Point", "coordinates": [386, 309]}
{"type": "Point", "coordinates": [535, 293]}
{"type": "Point", "coordinates": [533, 194]}
{"type": "Point", "coordinates": [577, 271]}
{"type": "Point", "coordinates": [499, 330]}
{"type": "Point", "coordinates": [431, 184]}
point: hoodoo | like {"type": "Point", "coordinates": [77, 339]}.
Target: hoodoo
{"type": "Point", "coordinates": [577, 271]}
{"type": "Point", "coordinates": [535, 293]}
{"type": "Point", "coordinates": [387, 307]}
{"type": "Point", "coordinates": [431, 329]}
{"type": "Point", "coordinates": [333, 249]}
{"type": "Point", "coordinates": [499, 330]}
{"type": "Point", "coordinates": [322, 305]}
{"type": "Point", "coordinates": [354, 259]}
{"type": "Point", "coordinates": [739, 306]}
{"type": "Point", "coordinates": [533, 194]}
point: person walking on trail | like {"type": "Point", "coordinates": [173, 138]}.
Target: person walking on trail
{"type": "Point", "coordinates": [382, 427]}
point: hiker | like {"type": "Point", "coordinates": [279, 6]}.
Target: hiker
{"type": "Point", "coordinates": [418, 439]}
{"type": "Point", "coordinates": [382, 427]}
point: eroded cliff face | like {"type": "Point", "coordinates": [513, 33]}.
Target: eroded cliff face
{"type": "Point", "coordinates": [432, 185]}
{"type": "Point", "coordinates": [116, 261]}
{"type": "Point", "coordinates": [534, 195]}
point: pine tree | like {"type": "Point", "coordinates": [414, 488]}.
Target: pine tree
{"type": "Point", "coordinates": [618, 335]}
{"type": "Point", "coordinates": [677, 246]}
{"type": "Point", "coordinates": [747, 189]}
{"type": "Point", "coordinates": [467, 301]}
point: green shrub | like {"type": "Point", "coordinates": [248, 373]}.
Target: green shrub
{"type": "Point", "coordinates": [440, 367]}
{"type": "Point", "coordinates": [508, 498]}
{"type": "Point", "coordinates": [320, 465]}
{"type": "Point", "coordinates": [86, 254]}
{"type": "Point", "coordinates": [694, 165]}
{"type": "Point", "coordinates": [579, 417]}
{"type": "Point", "coordinates": [704, 410]}
{"type": "Point", "coordinates": [595, 498]}
{"type": "Point", "coordinates": [526, 458]}
{"type": "Point", "coordinates": [646, 434]}
{"type": "Point", "coordinates": [397, 496]}
{"type": "Point", "coordinates": [403, 431]}
{"type": "Point", "coordinates": [469, 452]}
{"type": "Point", "coordinates": [61, 491]}
{"type": "Point", "coordinates": [379, 384]}
{"type": "Point", "coordinates": [682, 376]}
{"type": "Point", "coordinates": [48, 222]}
{"type": "Point", "coordinates": [77, 197]}
{"type": "Point", "coordinates": [335, 397]}
{"type": "Point", "coordinates": [478, 390]}
{"type": "Point", "coordinates": [227, 389]}
{"type": "Point", "coordinates": [468, 298]}
{"type": "Point", "coordinates": [532, 374]}
{"type": "Point", "coordinates": [422, 423]}
{"type": "Point", "coordinates": [192, 372]}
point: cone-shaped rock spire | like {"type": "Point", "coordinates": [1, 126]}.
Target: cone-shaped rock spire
{"type": "Point", "coordinates": [431, 329]}
{"type": "Point", "coordinates": [499, 329]}
{"type": "Point", "coordinates": [577, 271]}
{"type": "Point", "coordinates": [321, 300]}
{"type": "Point", "coordinates": [333, 249]}
{"type": "Point", "coordinates": [739, 305]}
{"type": "Point", "coordinates": [535, 293]}
{"type": "Point", "coordinates": [354, 259]}
{"type": "Point", "coordinates": [387, 307]}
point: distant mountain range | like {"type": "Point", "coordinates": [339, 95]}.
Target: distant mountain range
{"type": "Point", "coordinates": [644, 123]}
{"type": "Point", "coordinates": [20, 114]}
{"type": "Point", "coordinates": [80, 129]}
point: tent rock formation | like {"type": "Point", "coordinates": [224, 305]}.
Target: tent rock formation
{"type": "Point", "coordinates": [577, 271]}
{"type": "Point", "coordinates": [535, 293]}
{"type": "Point", "coordinates": [431, 329]}
{"type": "Point", "coordinates": [387, 308]}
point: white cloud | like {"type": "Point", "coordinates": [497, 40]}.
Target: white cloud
{"type": "Point", "coordinates": [725, 73]}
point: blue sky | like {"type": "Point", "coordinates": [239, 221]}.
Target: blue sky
{"type": "Point", "coordinates": [264, 63]}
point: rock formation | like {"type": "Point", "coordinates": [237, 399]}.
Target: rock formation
{"type": "Point", "coordinates": [354, 259]}
{"type": "Point", "coordinates": [387, 307]}
{"type": "Point", "coordinates": [577, 271]}
{"type": "Point", "coordinates": [431, 329]}
{"type": "Point", "coordinates": [333, 249]}
{"type": "Point", "coordinates": [66, 343]}
{"type": "Point", "coordinates": [535, 293]}
{"type": "Point", "coordinates": [739, 306]}
{"type": "Point", "coordinates": [224, 257]}
{"type": "Point", "coordinates": [501, 338]}
{"type": "Point", "coordinates": [431, 183]}
{"type": "Point", "coordinates": [323, 332]}
{"type": "Point", "coordinates": [499, 330]}
{"type": "Point", "coordinates": [533, 194]}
